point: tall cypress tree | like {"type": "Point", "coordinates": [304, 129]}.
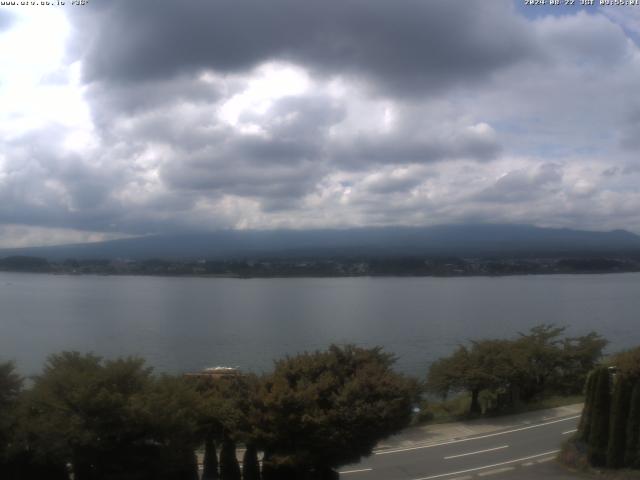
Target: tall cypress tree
{"type": "Point", "coordinates": [191, 467]}
{"type": "Point", "coordinates": [618, 422]}
{"type": "Point", "coordinates": [599, 430]}
{"type": "Point", "coordinates": [210, 471]}
{"type": "Point", "coordinates": [632, 450]}
{"type": "Point", "coordinates": [268, 470]}
{"type": "Point", "coordinates": [585, 420]}
{"type": "Point", "coordinates": [229, 467]}
{"type": "Point", "coordinates": [250, 465]}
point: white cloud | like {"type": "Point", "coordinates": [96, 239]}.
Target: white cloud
{"type": "Point", "coordinates": [539, 133]}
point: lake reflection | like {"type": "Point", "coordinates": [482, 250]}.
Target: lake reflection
{"type": "Point", "coordinates": [181, 324]}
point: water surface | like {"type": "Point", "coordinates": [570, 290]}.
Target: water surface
{"type": "Point", "coordinates": [181, 324]}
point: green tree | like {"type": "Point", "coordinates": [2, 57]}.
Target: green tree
{"type": "Point", "coordinates": [167, 413]}
{"type": "Point", "coordinates": [628, 363]}
{"type": "Point", "coordinates": [226, 414]}
{"type": "Point", "coordinates": [618, 422]}
{"type": "Point", "coordinates": [210, 470]}
{"type": "Point", "coordinates": [579, 356]}
{"type": "Point", "coordinates": [229, 467]}
{"type": "Point", "coordinates": [494, 365]}
{"type": "Point", "coordinates": [599, 430]}
{"type": "Point", "coordinates": [541, 347]}
{"type": "Point", "coordinates": [525, 368]}
{"type": "Point", "coordinates": [585, 420]}
{"type": "Point", "coordinates": [325, 409]}
{"type": "Point", "coordinates": [10, 388]}
{"type": "Point", "coordinates": [250, 464]}
{"type": "Point", "coordinates": [632, 450]}
{"type": "Point", "coordinates": [111, 419]}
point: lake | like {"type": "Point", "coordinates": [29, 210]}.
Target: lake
{"type": "Point", "coordinates": [183, 324]}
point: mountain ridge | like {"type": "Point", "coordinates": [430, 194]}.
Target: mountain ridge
{"type": "Point", "coordinates": [458, 240]}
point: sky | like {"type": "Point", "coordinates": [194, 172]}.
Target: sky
{"type": "Point", "coordinates": [122, 118]}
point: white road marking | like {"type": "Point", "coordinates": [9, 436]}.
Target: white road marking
{"type": "Point", "coordinates": [543, 460]}
{"type": "Point", "coordinates": [449, 442]}
{"type": "Point", "coordinates": [356, 471]}
{"type": "Point", "coordinates": [466, 477]}
{"type": "Point", "coordinates": [475, 453]}
{"type": "Point", "coordinates": [570, 431]}
{"type": "Point", "coordinates": [527, 464]}
{"type": "Point", "coordinates": [488, 466]}
{"type": "Point", "coordinates": [497, 470]}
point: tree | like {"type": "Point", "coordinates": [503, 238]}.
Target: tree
{"type": "Point", "coordinates": [618, 422]}
{"type": "Point", "coordinates": [632, 450]}
{"type": "Point", "coordinates": [229, 467]}
{"type": "Point", "coordinates": [541, 347]}
{"type": "Point", "coordinates": [10, 388]}
{"type": "Point", "coordinates": [210, 470]}
{"type": "Point", "coordinates": [250, 464]}
{"type": "Point", "coordinates": [524, 368]}
{"type": "Point", "coordinates": [599, 429]}
{"type": "Point", "coordinates": [585, 420]}
{"type": "Point", "coordinates": [628, 363]}
{"type": "Point", "coordinates": [493, 365]}
{"type": "Point", "coordinates": [112, 419]}
{"type": "Point", "coordinates": [226, 415]}
{"type": "Point", "coordinates": [579, 356]}
{"type": "Point", "coordinates": [325, 409]}
{"type": "Point", "coordinates": [168, 419]}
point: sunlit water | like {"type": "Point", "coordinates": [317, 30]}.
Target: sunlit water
{"type": "Point", "coordinates": [181, 324]}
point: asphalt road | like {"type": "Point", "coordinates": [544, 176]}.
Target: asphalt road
{"type": "Point", "coordinates": [514, 452]}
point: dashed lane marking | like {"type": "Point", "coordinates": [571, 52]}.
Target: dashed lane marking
{"type": "Point", "coordinates": [355, 471]}
{"type": "Point", "coordinates": [496, 471]}
{"type": "Point", "coordinates": [459, 472]}
{"type": "Point", "coordinates": [528, 464]}
{"type": "Point", "coordinates": [475, 453]}
{"type": "Point", "coordinates": [570, 431]}
{"type": "Point", "coordinates": [543, 460]}
{"type": "Point", "coordinates": [431, 445]}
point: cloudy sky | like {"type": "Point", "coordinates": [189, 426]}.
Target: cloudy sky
{"type": "Point", "coordinates": [125, 118]}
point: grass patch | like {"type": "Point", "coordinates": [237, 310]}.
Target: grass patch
{"type": "Point", "coordinates": [457, 408]}
{"type": "Point", "coordinates": [573, 456]}
{"type": "Point", "coordinates": [449, 410]}
{"type": "Point", "coordinates": [553, 401]}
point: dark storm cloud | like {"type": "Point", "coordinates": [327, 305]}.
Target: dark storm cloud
{"type": "Point", "coordinates": [399, 148]}
{"type": "Point", "coordinates": [263, 114]}
{"type": "Point", "coordinates": [47, 187]}
{"type": "Point", "coordinates": [405, 46]}
{"type": "Point", "coordinates": [300, 117]}
{"type": "Point", "coordinates": [523, 185]}
{"type": "Point", "coordinates": [388, 184]}
{"type": "Point", "coordinates": [222, 175]}
{"type": "Point", "coordinates": [629, 138]}
{"type": "Point", "coordinates": [119, 100]}
{"type": "Point", "coordinates": [285, 160]}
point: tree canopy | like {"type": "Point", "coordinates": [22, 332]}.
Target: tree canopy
{"type": "Point", "coordinates": [324, 409]}
{"type": "Point", "coordinates": [109, 419]}
{"type": "Point", "coordinates": [528, 366]}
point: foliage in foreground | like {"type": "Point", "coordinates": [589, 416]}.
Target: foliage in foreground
{"type": "Point", "coordinates": [609, 429]}
{"type": "Point", "coordinates": [97, 419]}
{"type": "Point", "coordinates": [537, 364]}
{"type": "Point", "coordinates": [328, 409]}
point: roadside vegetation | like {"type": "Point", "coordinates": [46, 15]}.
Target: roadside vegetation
{"type": "Point", "coordinates": [92, 419]}
{"type": "Point", "coordinates": [609, 431]}
{"type": "Point", "coordinates": [88, 418]}
{"type": "Point", "coordinates": [538, 369]}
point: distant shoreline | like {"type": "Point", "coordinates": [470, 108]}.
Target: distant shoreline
{"type": "Point", "coordinates": [310, 275]}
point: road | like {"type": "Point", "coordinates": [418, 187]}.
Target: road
{"type": "Point", "coordinates": [519, 450]}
